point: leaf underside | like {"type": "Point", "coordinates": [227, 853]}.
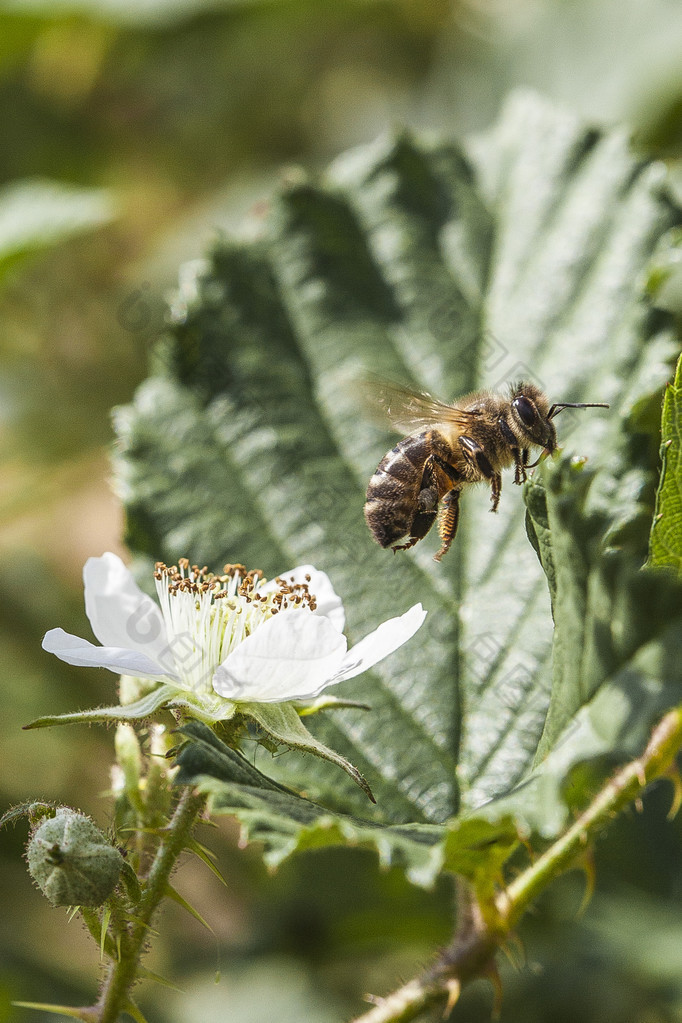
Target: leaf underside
{"type": "Point", "coordinates": [525, 254]}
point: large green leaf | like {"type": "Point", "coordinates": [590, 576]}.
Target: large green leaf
{"type": "Point", "coordinates": [284, 822]}
{"type": "Point", "coordinates": [526, 254]}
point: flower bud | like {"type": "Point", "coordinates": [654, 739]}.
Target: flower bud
{"type": "Point", "coordinates": [72, 861]}
{"type": "Point", "coordinates": [128, 756]}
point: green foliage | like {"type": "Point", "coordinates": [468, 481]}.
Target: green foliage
{"type": "Point", "coordinates": [523, 255]}
{"type": "Point", "coordinates": [286, 822]}
{"type": "Point", "coordinates": [168, 115]}
{"type": "Point", "coordinates": [36, 214]}
{"type": "Point", "coordinates": [666, 532]}
{"type": "Point", "coordinates": [148, 13]}
{"type": "Point", "coordinates": [608, 654]}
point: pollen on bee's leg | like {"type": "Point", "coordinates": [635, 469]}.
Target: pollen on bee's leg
{"type": "Point", "coordinates": [447, 522]}
{"type": "Point", "coordinates": [444, 549]}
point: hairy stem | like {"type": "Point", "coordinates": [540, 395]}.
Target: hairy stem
{"type": "Point", "coordinates": [482, 929]}
{"type": "Point", "coordinates": [122, 974]}
{"type": "Point", "coordinates": [626, 785]}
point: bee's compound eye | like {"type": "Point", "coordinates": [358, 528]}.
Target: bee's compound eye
{"type": "Point", "coordinates": [526, 410]}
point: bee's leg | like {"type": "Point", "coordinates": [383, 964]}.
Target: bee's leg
{"type": "Point", "coordinates": [477, 457]}
{"type": "Point", "coordinates": [421, 524]}
{"type": "Point", "coordinates": [520, 457]}
{"type": "Point", "coordinates": [447, 524]}
{"type": "Point", "coordinates": [521, 463]}
{"type": "Point", "coordinates": [495, 490]}
{"type": "Point", "coordinates": [427, 508]}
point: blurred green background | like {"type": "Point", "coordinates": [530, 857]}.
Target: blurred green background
{"type": "Point", "coordinates": [189, 113]}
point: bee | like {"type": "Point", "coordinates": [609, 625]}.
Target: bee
{"type": "Point", "coordinates": [452, 446]}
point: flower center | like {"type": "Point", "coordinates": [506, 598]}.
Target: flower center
{"type": "Point", "coordinates": [207, 615]}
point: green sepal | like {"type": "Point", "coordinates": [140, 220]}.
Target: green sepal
{"type": "Point", "coordinates": [35, 811]}
{"type": "Point", "coordinates": [324, 702]}
{"type": "Point", "coordinates": [203, 752]}
{"type": "Point", "coordinates": [138, 711]}
{"type": "Point", "coordinates": [281, 722]}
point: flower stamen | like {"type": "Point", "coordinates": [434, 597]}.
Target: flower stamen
{"type": "Point", "coordinates": [206, 616]}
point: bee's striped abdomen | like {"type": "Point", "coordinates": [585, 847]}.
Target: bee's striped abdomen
{"type": "Point", "coordinates": [394, 488]}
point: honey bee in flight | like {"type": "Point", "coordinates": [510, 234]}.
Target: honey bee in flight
{"type": "Point", "coordinates": [451, 447]}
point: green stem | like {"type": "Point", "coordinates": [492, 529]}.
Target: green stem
{"type": "Point", "coordinates": [115, 994]}
{"type": "Point", "coordinates": [626, 785]}
{"type": "Point", "coordinates": [483, 928]}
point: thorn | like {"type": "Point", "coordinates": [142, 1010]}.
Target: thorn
{"type": "Point", "coordinates": [372, 999]}
{"type": "Point", "coordinates": [673, 775]}
{"type": "Point", "coordinates": [454, 988]}
{"type": "Point", "coordinates": [494, 977]}
{"type": "Point", "coordinates": [641, 774]}
{"type": "Point", "coordinates": [515, 951]}
{"type": "Point", "coordinates": [639, 805]}
{"type": "Point", "coordinates": [587, 865]}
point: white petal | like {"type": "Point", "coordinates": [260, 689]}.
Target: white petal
{"type": "Point", "coordinates": [75, 650]}
{"type": "Point", "coordinates": [289, 657]}
{"type": "Point", "coordinates": [380, 643]}
{"type": "Point", "coordinates": [329, 603]}
{"type": "Point", "coordinates": [120, 614]}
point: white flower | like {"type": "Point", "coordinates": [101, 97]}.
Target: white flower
{"type": "Point", "coordinates": [233, 635]}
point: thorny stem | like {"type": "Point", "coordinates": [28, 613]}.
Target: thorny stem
{"type": "Point", "coordinates": [122, 974]}
{"type": "Point", "coordinates": [482, 929]}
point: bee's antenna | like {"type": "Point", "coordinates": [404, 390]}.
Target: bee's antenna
{"type": "Point", "coordinates": [556, 409]}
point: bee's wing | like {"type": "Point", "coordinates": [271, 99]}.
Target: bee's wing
{"type": "Point", "coordinates": [408, 410]}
